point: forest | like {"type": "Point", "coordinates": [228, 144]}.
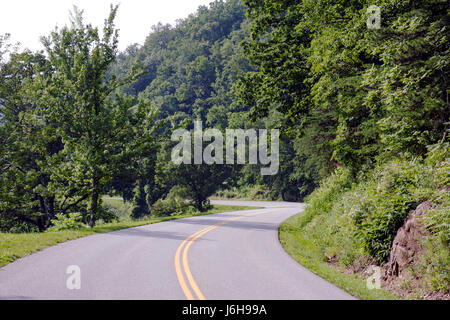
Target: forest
{"type": "Point", "coordinates": [363, 114]}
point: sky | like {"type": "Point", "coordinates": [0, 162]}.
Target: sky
{"type": "Point", "coordinates": [28, 20]}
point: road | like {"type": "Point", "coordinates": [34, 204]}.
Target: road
{"type": "Point", "coordinates": [227, 256]}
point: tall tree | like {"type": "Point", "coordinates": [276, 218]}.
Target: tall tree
{"type": "Point", "coordinates": [100, 129]}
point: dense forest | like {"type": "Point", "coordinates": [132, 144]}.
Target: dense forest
{"type": "Point", "coordinates": [364, 115]}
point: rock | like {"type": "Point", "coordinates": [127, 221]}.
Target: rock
{"type": "Point", "coordinates": [406, 246]}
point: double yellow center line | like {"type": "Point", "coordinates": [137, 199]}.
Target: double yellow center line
{"type": "Point", "coordinates": [182, 263]}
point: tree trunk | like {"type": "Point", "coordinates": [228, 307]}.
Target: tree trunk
{"type": "Point", "coordinates": [50, 208]}
{"type": "Point", "coordinates": [94, 202]}
{"type": "Point", "coordinates": [140, 200]}
{"type": "Point", "coordinates": [41, 223]}
{"type": "Point", "coordinates": [199, 204]}
{"type": "Point", "coordinates": [42, 220]}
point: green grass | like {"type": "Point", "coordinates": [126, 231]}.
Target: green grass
{"type": "Point", "coordinates": [16, 246]}
{"type": "Point", "coordinates": [304, 250]}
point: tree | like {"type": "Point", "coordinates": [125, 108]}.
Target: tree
{"type": "Point", "coordinates": [100, 129]}
{"type": "Point", "coordinates": [28, 147]}
{"type": "Point", "coordinates": [195, 182]}
{"type": "Point", "coordinates": [377, 92]}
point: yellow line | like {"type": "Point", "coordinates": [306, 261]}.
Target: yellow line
{"type": "Point", "coordinates": [186, 244]}
{"type": "Point", "coordinates": [187, 270]}
{"type": "Point", "coordinates": [178, 269]}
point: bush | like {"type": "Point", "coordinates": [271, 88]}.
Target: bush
{"type": "Point", "coordinates": [118, 209]}
{"type": "Point", "coordinates": [169, 207]}
{"type": "Point", "coordinates": [254, 192]}
{"type": "Point", "coordinates": [69, 222]}
{"type": "Point", "coordinates": [324, 198]}
{"type": "Point", "coordinates": [174, 203]}
{"type": "Point", "coordinates": [438, 219]}
{"type": "Point", "coordinates": [434, 265]}
{"type": "Point", "coordinates": [387, 196]}
{"type": "Point", "coordinates": [22, 227]}
{"type": "Point", "coordinates": [438, 222]}
{"type": "Point", "coordinates": [163, 208]}
{"type": "Point", "coordinates": [353, 222]}
{"type": "Point", "coordinates": [107, 213]}
{"type": "Point", "coordinates": [11, 224]}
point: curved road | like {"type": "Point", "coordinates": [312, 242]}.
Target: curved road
{"type": "Point", "coordinates": [227, 256]}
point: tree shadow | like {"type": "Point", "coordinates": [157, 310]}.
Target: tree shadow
{"type": "Point", "coordinates": [139, 232]}
{"type": "Point", "coordinates": [247, 225]}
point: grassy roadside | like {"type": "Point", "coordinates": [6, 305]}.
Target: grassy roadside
{"type": "Point", "coordinates": [304, 250]}
{"type": "Point", "coordinates": [16, 246]}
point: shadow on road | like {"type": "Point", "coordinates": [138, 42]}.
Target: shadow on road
{"type": "Point", "coordinates": [248, 225]}
{"type": "Point", "coordinates": [140, 232]}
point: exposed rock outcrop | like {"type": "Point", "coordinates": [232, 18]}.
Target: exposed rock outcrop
{"type": "Point", "coordinates": [406, 246]}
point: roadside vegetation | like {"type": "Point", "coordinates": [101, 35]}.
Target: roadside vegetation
{"type": "Point", "coordinates": [350, 224]}
{"type": "Point", "coordinates": [17, 245]}
{"type": "Point", "coordinates": [246, 192]}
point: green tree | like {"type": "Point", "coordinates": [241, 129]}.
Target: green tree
{"type": "Point", "coordinates": [195, 182]}
{"type": "Point", "coordinates": [29, 146]}
{"type": "Point", "coordinates": [377, 92]}
{"type": "Point", "coordinates": [100, 129]}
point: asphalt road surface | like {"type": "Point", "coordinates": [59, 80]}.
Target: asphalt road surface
{"type": "Point", "coordinates": [227, 256]}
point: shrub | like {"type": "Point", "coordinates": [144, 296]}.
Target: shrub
{"type": "Point", "coordinates": [371, 211]}
{"type": "Point", "coordinates": [108, 213]}
{"type": "Point", "coordinates": [174, 203]}
{"type": "Point", "coordinates": [434, 265]}
{"type": "Point", "coordinates": [117, 209]}
{"type": "Point", "coordinates": [323, 198]}
{"type": "Point", "coordinates": [163, 208]}
{"type": "Point", "coordinates": [438, 219]}
{"type": "Point", "coordinates": [387, 198]}
{"type": "Point", "coordinates": [253, 192]}
{"type": "Point", "coordinates": [22, 227]}
{"type": "Point", "coordinates": [70, 222]}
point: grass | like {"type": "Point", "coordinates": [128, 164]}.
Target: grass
{"type": "Point", "coordinates": [16, 246]}
{"type": "Point", "coordinates": [304, 250]}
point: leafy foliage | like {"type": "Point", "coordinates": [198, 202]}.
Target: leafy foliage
{"type": "Point", "coordinates": [389, 197]}
{"type": "Point", "coordinates": [192, 182]}
{"type": "Point", "coordinates": [365, 93]}
{"type": "Point", "coordinates": [71, 222]}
